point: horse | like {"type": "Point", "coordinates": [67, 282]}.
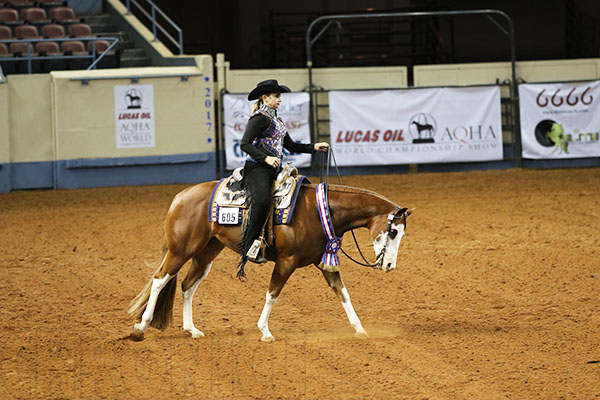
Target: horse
{"type": "Point", "coordinates": [423, 127]}
{"type": "Point", "coordinates": [190, 235]}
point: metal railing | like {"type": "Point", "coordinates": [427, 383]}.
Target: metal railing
{"type": "Point", "coordinates": [155, 25]}
{"type": "Point", "coordinates": [29, 57]}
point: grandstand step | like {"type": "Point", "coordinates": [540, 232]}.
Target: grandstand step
{"type": "Point", "coordinates": [133, 53]}
{"type": "Point", "coordinates": [104, 27]}
{"type": "Point", "coordinates": [98, 19]}
{"type": "Point", "coordinates": [135, 62]}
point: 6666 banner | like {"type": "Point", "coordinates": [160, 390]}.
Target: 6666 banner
{"type": "Point", "coordinates": [293, 111]}
{"type": "Point", "coordinates": [560, 120]}
{"type": "Point", "coordinates": [382, 127]}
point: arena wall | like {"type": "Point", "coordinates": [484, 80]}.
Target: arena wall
{"type": "Point", "coordinates": [4, 140]}
{"type": "Point", "coordinates": [489, 73]}
{"type": "Point", "coordinates": [30, 130]}
{"type": "Point", "coordinates": [85, 128]}
{"type": "Point", "coordinates": [58, 130]}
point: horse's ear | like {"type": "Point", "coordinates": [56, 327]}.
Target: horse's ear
{"type": "Point", "coordinates": [409, 212]}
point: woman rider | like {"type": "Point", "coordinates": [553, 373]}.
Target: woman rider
{"type": "Point", "coordinates": [264, 140]}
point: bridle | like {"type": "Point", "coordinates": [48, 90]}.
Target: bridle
{"type": "Point", "coordinates": [397, 213]}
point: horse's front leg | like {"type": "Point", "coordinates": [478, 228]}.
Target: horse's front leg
{"type": "Point", "coordinates": [334, 279]}
{"type": "Point", "coordinates": [280, 275]}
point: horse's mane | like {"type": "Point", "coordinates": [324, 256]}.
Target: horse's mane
{"type": "Point", "coordinates": [350, 189]}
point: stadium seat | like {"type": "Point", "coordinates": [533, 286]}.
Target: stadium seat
{"type": "Point", "coordinates": [20, 49]}
{"type": "Point", "coordinates": [101, 46]}
{"type": "Point", "coordinates": [9, 15]}
{"type": "Point", "coordinates": [34, 14]}
{"type": "Point", "coordinates": [49, 4]}
{"type": "Point", "coordinates": [18, 2]}
{"type": "Point", "coordinates": [52, 2]}
{"type": "Point", "coordinates": [5, 33]}
{"type": "Point", "coordinates": [63, 14]}
{"type": "Point", "coordinates": [80, 30]}
{"type": "Point", "coordinates": [26, 32]}
{"type": "Point", "coordinates": [50, 49]}
{"type": "Point", "coordinates": [73, 47]}
{"type": "Point", "coordinates": [53, 31]}
{"type": "Point", "coordinates": [76, 47]}
{"type": "Point", "coordinates": [3, 49]}
{"type": "Point", "coordinates": [47, 48]}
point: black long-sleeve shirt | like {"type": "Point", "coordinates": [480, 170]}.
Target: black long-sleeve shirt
{"type": "Point", "coordinates": [256, 127]}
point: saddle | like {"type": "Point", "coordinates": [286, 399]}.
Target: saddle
{"type": "Point", "coordinates": [230, 201]}
{"type": "Point", "coordinates": [232, 194]}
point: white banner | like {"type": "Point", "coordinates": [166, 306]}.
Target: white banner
{"type": "Point", "coordinates": [134, 116]}
{"type": "Point", "coordinates": [560, 120]}
{"type": "Point", "coordinates": [293, 111]}
{"type": "Point", "coordinates": [415, 126]}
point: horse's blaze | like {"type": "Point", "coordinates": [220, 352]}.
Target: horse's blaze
{"type": "Point", "coordinates": [391, 252]}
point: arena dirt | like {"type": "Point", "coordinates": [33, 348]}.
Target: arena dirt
{"type": "Point", "coordinates": [495, 296]}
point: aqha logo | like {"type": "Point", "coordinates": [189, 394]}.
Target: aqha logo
{"type": "Point", "coordinates": [133, 98]}
{"type": "Point", "coordinates": [422, 128]}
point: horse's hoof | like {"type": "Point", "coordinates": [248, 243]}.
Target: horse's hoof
{"type": "Point", "coordinates": [137, 334]}
{"type": "Point", "coordinates": [361, 334]}
{"type": "Point", "coordinates": [195, 333]}
{"type": "Point", "coordinates": [267, 339]}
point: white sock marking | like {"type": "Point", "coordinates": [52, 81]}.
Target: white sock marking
{"type": "Point", "coordinates": [188, 318]}
{"type": "Point", "coordinates": [263, 321]}
{"type": "Point", "coordinates": [157, 286]}
{"type": "Point", "coordinates": [352, 317]}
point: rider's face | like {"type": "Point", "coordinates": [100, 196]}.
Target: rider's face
{"type": "Point", "coordinates": [272, 100]}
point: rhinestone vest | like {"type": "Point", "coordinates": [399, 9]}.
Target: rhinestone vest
{"type": "Point", "coordinates": [273, 140]}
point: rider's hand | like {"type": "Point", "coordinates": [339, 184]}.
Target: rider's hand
{"type": "Point", "coordinates": [322, 146]}
{"type": "Point", "coordinates": [273, 161]}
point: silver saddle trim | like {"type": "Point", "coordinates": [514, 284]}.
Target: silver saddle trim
{"type": "Point", "coordinates": [282, 196]}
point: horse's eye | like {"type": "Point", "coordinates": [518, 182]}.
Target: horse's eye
{"type": "Point", "coordinates": [393, 233]}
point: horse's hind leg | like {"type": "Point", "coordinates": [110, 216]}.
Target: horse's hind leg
{"type": "Point", "coordinates": [160, 291]}
{"type": "Point", "coordinates": [334, 279]}
{"type": "Point", "coordinates": [201, 265]}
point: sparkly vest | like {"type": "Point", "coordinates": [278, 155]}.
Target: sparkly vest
{"type": "Point", "coordinates": [272, 142]}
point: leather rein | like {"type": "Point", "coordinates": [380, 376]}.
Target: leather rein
{"type": "Point", "coordinates": [397, 213]}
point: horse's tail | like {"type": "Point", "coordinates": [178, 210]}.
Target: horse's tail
{"type": "Point", "coordinates": [163, 311]}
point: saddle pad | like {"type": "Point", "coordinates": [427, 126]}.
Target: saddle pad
{"type": "Point", "coordinates": [286, 201]}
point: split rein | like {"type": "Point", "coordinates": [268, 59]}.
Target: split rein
{"type": "Point", "coordinates": [394, 214]}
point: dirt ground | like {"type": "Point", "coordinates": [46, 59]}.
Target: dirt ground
{"type": "Point", "coordinates": [495, 296]}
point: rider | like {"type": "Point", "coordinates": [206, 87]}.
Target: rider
{"type": "Point", "coordinates": [264, 139]}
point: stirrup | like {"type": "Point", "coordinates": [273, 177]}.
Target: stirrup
{"type": "Point", "coordinates": [253, 255]}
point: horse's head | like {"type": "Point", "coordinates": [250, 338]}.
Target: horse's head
{"type": "Point", "coordinates": [386, 232]}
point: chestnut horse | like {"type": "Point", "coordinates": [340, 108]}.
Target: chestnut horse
{"type": "Point", "coordinates": [189, 234]}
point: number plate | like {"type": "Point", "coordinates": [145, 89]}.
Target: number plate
{"type": "Point", "coordinates": [228, 215]}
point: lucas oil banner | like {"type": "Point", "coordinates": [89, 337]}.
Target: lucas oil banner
{"type": "Point", "coordinates": [293, 111]}
{"type": "Point", "coordinates": [415, 126]}
{"type": "Point", "coordinates": [560, 120]}
{"type": "Point", "coordinates": [134, 116]}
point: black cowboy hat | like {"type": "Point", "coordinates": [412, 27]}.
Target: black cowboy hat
{"type": "Point", "coordinates": [266, 87]}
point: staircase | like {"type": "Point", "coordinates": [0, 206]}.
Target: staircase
{"type": "Point", "coordinates": [129, 55]}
